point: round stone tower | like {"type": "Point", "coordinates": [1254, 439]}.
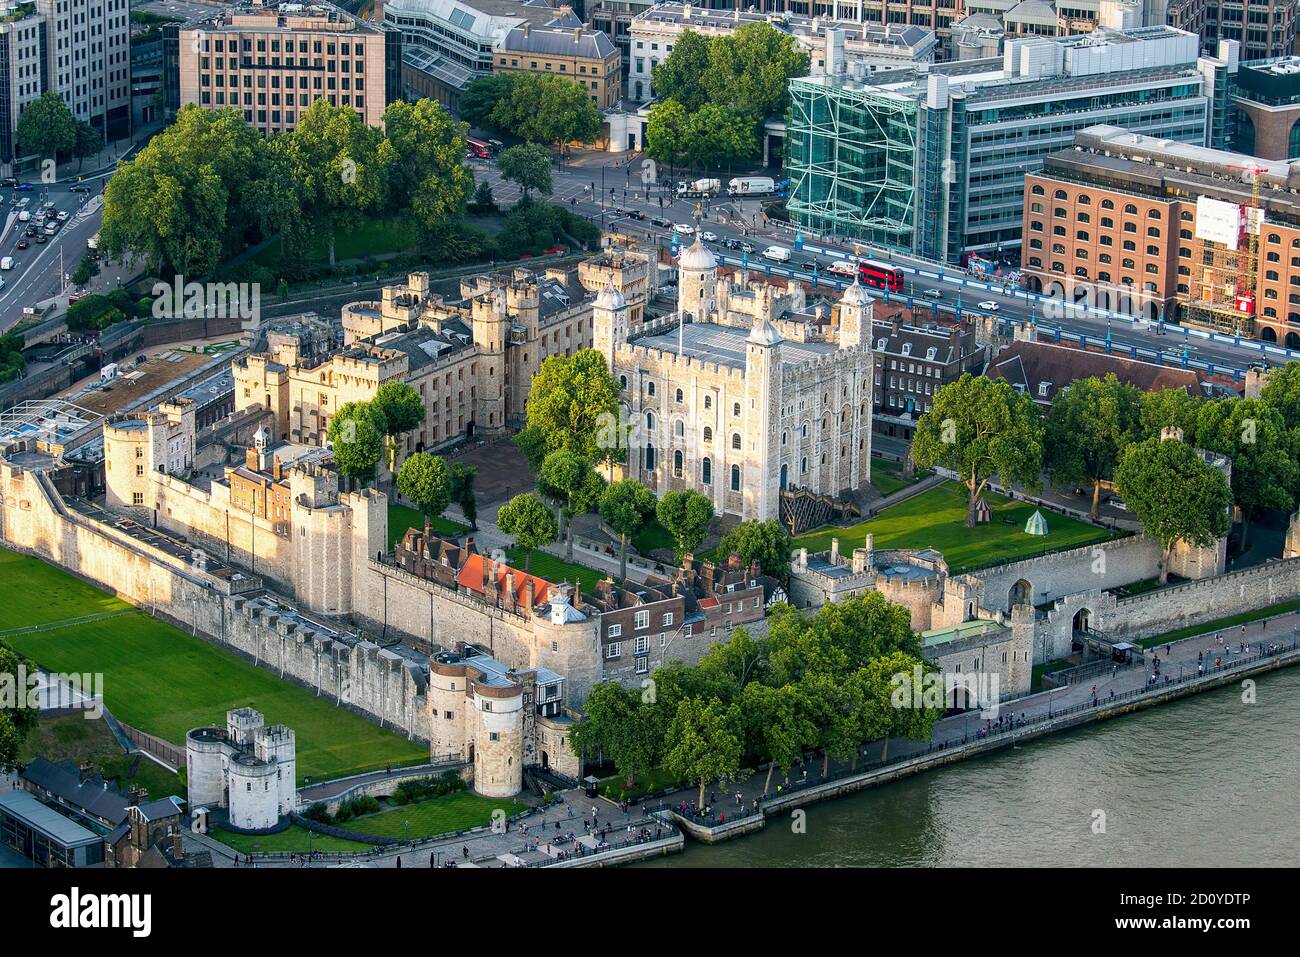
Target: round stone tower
{"type": "Point", "coordinates": [498, 739]}
{"type": "Point", "coordinates": [697, 282]}
{"type": "Point", "coordinates": [254, 792]}
{"type": "Point", "coordinates": [205, 759]}
{"type": "Point", "coordinates": [446, 697]}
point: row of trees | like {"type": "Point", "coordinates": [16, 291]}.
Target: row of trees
{"type": "Point", "coordinates": [823, 683]}
{"type": "Point", "coordinates": [209, 185]}
{"type": "Point", "coordinates": [713, 94]}
{"type": "Point", "coordinates": [535, 108]}
{"type": "Point", "coordinates": [17, 720]}
{"type": "Point", "coordinates": [1100, 432]}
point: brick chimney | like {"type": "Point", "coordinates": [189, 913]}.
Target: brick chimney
{"type": "Point", "coordinates": [530, 594]}
{"type": "Point", "coordinates": [276, 469]}
{"type": "Point", "coordinates": [178, 847]}
{"type": "Point", "coordinates": [250, 459]}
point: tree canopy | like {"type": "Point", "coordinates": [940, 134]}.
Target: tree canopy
{"type": "Point", "coordinates": [570, 403]}
{"type": "Point", "coordinates": [626, 505]}
{"type": "Point", "coordinates": [529, 165]}
{"type": "Point", "coordinates": [357, 435]}
{"type": "Point", "coordinates": [686, 515]}
{"type": "Point", "coordinates": [766, 542]}
{"type": "Point", "coordinates": [981, 429]}
{"type": "Point", "coordinates": [1090, 423]}
{"type": "Point", "coordinates": [426, 481]}
{"type": "Point", "coordinates": [532, 524]}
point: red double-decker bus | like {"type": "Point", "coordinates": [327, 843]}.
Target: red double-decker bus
{"type": "Point", "coordinates": [478, 148]}
{"type": "Point", "coordinates": [880, 275]}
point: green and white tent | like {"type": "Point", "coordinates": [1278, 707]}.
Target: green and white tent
{"type": "Point", "coordinates": [1037, 525]}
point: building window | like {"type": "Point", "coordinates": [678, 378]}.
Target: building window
{"type": "Point", "coordinates": [642, 619]}
{"type": "Point", "coordinates": [668, 619]}
{"type": "Point", "coordinates": [735, 478]}
{"type": "Point", "coordinates": [613, 650]}
{"type": "Point", "coordinates": [614, 631]}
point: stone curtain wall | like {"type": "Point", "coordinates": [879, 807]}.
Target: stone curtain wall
{"type": "Point", "coordinates": [363, 677]}
{"type": "Point", "coordinates": [1104, 565]}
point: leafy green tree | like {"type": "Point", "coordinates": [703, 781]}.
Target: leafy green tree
{"type": "Point", "coordinates": [546, 109]}
{"type": "Point", "coordinates": [686, 515]}
{"type": "Point", "coordinates": [89, 141]}
{"type": "Point", "coordinates": [337, 167]}
{"type": "Point", "coordinates": [1175, 494]}
{"type": "Point", "coordinates": [100, 310]}
{"type": "Point", "coordinates": [195, 194]}
{"type": "Point", "coordinates": [981, 428]}
{"type": "Point", "coordinates": [529, 165]}
{"type": "Point", "coordinates": [777, 726]}
{"type": "Point", "coordinates": [426, 173]}
{"type": "Point", "coordinates": [626, 505]}
{"type": "Point", "coordinates": [462, 491]}
{"type": "Point", "coordinates": [17, 721]}
{"type": "Point", "coordinates": [880, 717]}
{"type": "Point", "coordinates": [1091, 421]}
{"type": "Point", "coordinates": [477, 103]}
{"type": "Point", "coordinates": [357, 435]}
{"type": "Point", "coordinates": [767, 542]}
{"type": "Point", "coordinates": [836, 708]}
{"type": "Point", "coordinates": [734, 663]}
{"type": "Point", "coordinates": [680, 77]}
{"type": "Point", "coordinates": [571, 403]}
{"type": "Point", "coordinates": [402, 410]}
{"type": "Point", "coordinates": [12, 361]}
{"type": "Point", "coordinates": [570, 478]}
{"type": "Point", "coordinates": [704, 742]}
{"type": "Point", "coordinates": [665, 131]}
{"type": "Point", "coordinates": [483, 200]}
{"type": "Point", "coordinates": [1166, 408]}
{"type": "Point", "coordinates": [46, 128]}
{"type": "Point", "coordinates": [425, 480]}
{"type": "Point", "coordinates": [750, 68]}
{"type": "Point", "coordinates": [615, 728]}
{"type": "Point", "coordinates": [1282, 391]}
{"type": "Point", "coordinates": [532, 524]}
{"type": "Point", "coordinates": [87, 269]}
{"type": "Point", "coordinates": [718, 136]}
{"type": "Point", "coordinates": [1253, 434]}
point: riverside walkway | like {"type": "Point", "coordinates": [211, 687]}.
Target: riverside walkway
{"type": "Point", "coordinates": [738, 807]}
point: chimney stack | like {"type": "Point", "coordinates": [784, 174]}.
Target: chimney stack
{"type": "Point", "coordinates": [835, 551]}
{"type": "Point", "coordinates": [178, 848]}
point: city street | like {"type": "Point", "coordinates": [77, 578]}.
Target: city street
{"type": "Point", "coordinates": [607, 188]}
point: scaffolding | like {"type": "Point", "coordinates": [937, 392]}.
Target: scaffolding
{"type": "Point", "coordinates": [852, 162]}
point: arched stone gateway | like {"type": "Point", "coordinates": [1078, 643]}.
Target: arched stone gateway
{"type": "Point", "coordinates": [1021, 593]}
{"type": "Point", "coordinates": [1082, 619]}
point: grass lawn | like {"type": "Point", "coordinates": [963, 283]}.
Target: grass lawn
{"type": "Point", "coordinates": [165, 682]}
{"type": "Point", "coordinates": [936, 519]}
{"type": "Point", "coordinates": [555, 570]}
{"type": "Point", "coordinates": [293, 838]}
{"type": "Point", "coordinates": [1221, 624]}
{"type": "Point", "coordinates": [440, 815]}
{"type": "Point", "coordinates": [657, 780]}
{"type": "Point", "coordinates": [76, 738]}
{"type": "Point", "coordinates": [400, 518]}
{"type": "Point", "coordinates": [652, 536]}
{"type": "Point", "coordinates": [373, 237]}
{"type": "Point", "coordinates": [888, 478]}
{"type": "Point", "coordinates": [1036, 675]}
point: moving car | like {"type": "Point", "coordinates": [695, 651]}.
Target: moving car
{"type": "Point", "coordinates": [80, 188]}
{"type": "Point", "coordinates": [709, 236]}
{"type": "Point", "coordinates": [932, 294]}
{"type": "Point", "coordinates": [684, 229]}
{"type": "Point", "coordinates": [809, 266]}
{"type": "Point", "coordinates": [63, 216]}
{"type": "Point", "coordinates": [988, 305]}
{"type": "Point", "coordinates": [661, 222]}
{"type": "Point", "coordinates": [746, 247]}
{"type": "Point", "coordinates": [30, 232]}
{"type": "Point", "coordinates": [636, 214]}
{"type": "Point", "coordinates": [7, 262]}
{"type": "Point", "coordinates": [23, 244]}
{"type": "Point", "coordinates": [9, 181]}
{"type": "Point", "coordinates": [23, 188]}
{"type": "Point", "coordinates": [41, 239]}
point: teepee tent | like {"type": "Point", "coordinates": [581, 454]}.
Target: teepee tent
{"type": "Point", "coordinates": [982, 511]}
{"type": "Point", "coordinates": [1037, 525]}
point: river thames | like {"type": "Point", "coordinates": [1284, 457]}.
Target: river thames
{"type": "Point", "coordinates": [1202, 782]}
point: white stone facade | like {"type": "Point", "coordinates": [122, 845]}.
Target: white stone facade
{"type": "Point", "coordinates": [720, 402]}
{"type": "Point", "coordinates": [247, 768]}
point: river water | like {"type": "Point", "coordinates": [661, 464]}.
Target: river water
{"type": "Point", "coordinates": [1204, 781]}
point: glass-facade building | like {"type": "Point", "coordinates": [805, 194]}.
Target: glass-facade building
{"type": "Point", "coordinates": [933, 162]}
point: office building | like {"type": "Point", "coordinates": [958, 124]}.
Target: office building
{"type": "Point", "coordinates": [933, 161]}
{"type": "Point", "coordinates": [564, 47]}
{"type": "Point", "coordinates": [272, 63]}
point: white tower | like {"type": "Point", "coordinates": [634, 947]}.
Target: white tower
{"type": "Point", "coordinates": [763, 398]}
{"type": "Point", "coordinates": [697, 282]}
{"type": "Point", "coordinates": [855, 317]}
{"type": "Point", "coordinates": [609, 323]}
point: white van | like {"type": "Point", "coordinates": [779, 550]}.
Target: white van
{"type": "Point", "coordinates": [24, 216]}
{"type": "Point", "coordinates": [777, 254]}
{"type": "Point", "coordinates": [7, 262]}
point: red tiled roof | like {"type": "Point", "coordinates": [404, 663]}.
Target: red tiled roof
{"type": "Point", "coordinates": [471, 577]}
{"type": "Point", "coordinates": [1032, 363]}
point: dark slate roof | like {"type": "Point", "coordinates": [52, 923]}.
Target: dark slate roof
{"type": "Point", "coordinates": [163, 807]}
{"type": "Point", "coordinates": [423, 346]}
{"type": "Point", "coordinates": [920, 339]}
{"type": "Point", "coordinates": [94, 795]}
{"type": "Point", "coordinates": [1028, 364]}
{"type": "Point", "coordinates": [556, 42]}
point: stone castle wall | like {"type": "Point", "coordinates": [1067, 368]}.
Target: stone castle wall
{"type": "Point", "coordinates": [1100, 566]}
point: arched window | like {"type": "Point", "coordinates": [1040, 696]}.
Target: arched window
{"type": "Point", "coordinates": [735, 440]}
{"type": "Point", "coordinates": [679, 429]}
{"type": "Point", "coordinates": [650, 389]}
{"type": "Point", "coordinates": [649, 458]}
{"type": "Point", "coordinates": [1037, 190]}
{"type": "Point", "coordinates": [735, 478]}
{"type": "Point", "coordinates": [706, 471]}
{"type": "Point", "coordinates": [735, 409]}
{"type": "Point", "coordinates": [708, 434]}
{"type": "Point", "coordinates": [708, 401]}
{"type": "Point", "coordinates": [803, 466]}
{"type": "Point", "coordinates": [650, 421]}
{"type": "Point", "coordinates": [677, 463]}
{"type": "Point", "coordinates": [679, 395]}
{"type": "Point", "coordinates": [622, 382]}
